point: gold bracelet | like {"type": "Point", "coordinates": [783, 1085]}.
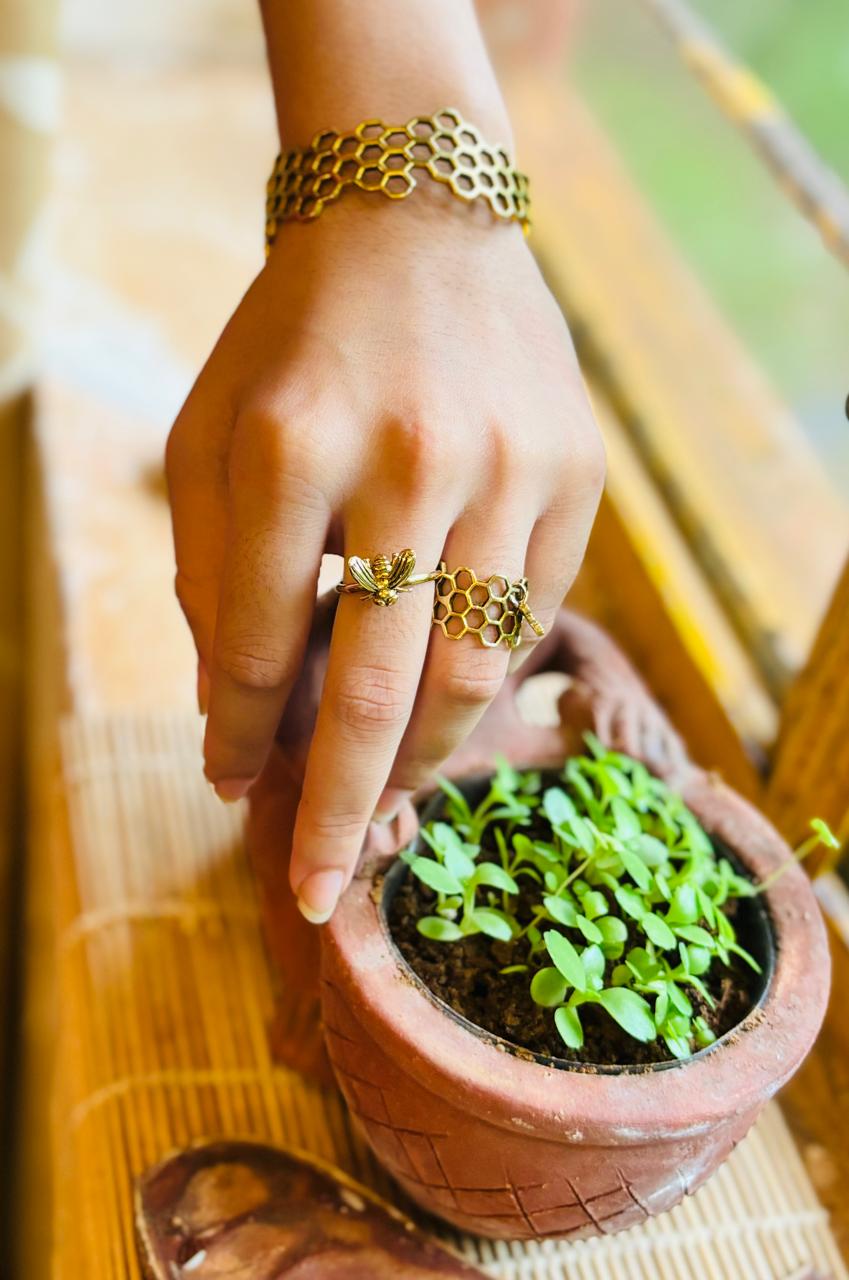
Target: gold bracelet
{"type": "Point", "coordinates": [381, 157]}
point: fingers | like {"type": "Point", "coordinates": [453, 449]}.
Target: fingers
{"type": "Point", "coordinates": [375, 662]}
{"type": "Point", "coordinates": [461, 677]}
{"type": "Point", "coordinates": [275, 537]}
{"type": "Point", "coordinates": [559, 541]}
{"type": "Point", "coordinates": [196, 469]}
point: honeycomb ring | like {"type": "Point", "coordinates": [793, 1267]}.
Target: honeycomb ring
{"type": "Point", "coordinates": [491, 609]}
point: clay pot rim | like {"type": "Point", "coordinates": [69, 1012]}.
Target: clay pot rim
{"type": "Point", "coordinates": [745, 1068]}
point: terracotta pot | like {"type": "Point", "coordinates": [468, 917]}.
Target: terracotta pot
{"type": "Point", "coordinates": [503, 1146]}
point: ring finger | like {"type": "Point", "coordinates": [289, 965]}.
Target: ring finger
{"type": "Point", "coordinates": [462, 675]}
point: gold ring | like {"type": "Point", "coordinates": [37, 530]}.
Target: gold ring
{"type": "Point", "coordinates": [382, 578]}
{"type": "Point", "coordinates": [493, 608]}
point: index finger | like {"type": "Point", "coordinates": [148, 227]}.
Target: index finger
{"type": "Point", "coordinates": [276, 535]}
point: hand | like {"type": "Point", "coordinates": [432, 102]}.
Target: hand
{"type": "Point", "coordinates": [397, 375]}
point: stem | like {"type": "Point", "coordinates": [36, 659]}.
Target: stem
{"type": "Point", "coordinates": [806, 847]}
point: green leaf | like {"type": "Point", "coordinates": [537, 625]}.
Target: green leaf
{"type": "Point", "coordinates": [566, 959]}
{"type": "Point", "coordinates": [744, 955]}
{"type": "Point", "coordinates": [591, 932]}
{"type": "Point", "coordinates": [644, 967]}
{"type": "Point", "coordinates": [507, 780]}
{"type": "Point", "coordinates": [561, 910]}
{"type": "Point", "coordinates": [699, 959]}
{"type": "Point", "coordinates": [548, 987]}
{"type": "Point", "coordinates": [456, 796]}
{"type": "Point", "coordinates": [678, 1046]}
{"type": "Point", "coordinates": [493, 923]}
{"type": "Point", "coordinates": [514, 968]}
{"type": "Point", "coordinates": [704, 1035]}
{"type": "Point", "coordinates": [583, 833]}
{"type": "Point", "coordinates": [683, 908]}
{"type": "Point", "coordinates": [594, 904]}
{"type": "Point", "coordinates": [621, 976]}
{"type": "Point", "coordinates": [661, 1007]}
{"type": "Point", "coordinates": [627, 822]}
{"type": "Point", "coordinates": [630, 902]}
{"type": "Point", "coordinates": [458, 862]}
{"type": "Point", "coordinates": [557, 807]}
{"type": "Point", "coordinates": [653, 851]}
{"type": "Point", "coordinates": [636, 868]}
{"type": "Point", "coordinates": [612, 929]}
{"type": "Point", "coordinates": [679, 1000]}
{"type": "Point", "coordinates": [569, 1025]}
{"type": "Point", "coordinates": [630, 1010]}
{"type": "Point", "coordinates": [706, 907]}
{"type": "Point", "coordinates": [438, 929]}
{"type": "Point", "coordinates": [490, 873]}
{"type": "Point", "coordinates": [595, 745]}
{"type": "Point", "coordinates": [662, 885]}
{"type": "Point", "coordinates": [658, 931]}
{"type": "Point", "coordinates": [825, 833]}
{"type": "Point", "coordinates": [435, 876]}
{"type": "Point", "coordinates": [592, 958]}
{"type": "Point", "coordinates": [696, 934]}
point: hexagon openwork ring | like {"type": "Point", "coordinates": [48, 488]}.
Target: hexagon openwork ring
{"type": "Point", "coordinates": [492, 609]}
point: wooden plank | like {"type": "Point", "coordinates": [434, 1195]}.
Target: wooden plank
{"type": "Point", "coordinates": [654, 598]}
{"type": "Point", "coordinates": [734, 466]}
{"type": "Point", "coordinates": [810, 775]}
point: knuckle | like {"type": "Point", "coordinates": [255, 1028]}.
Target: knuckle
{"type": "Point", "coordinates": [259, 444]}
{"type": "Point", "coordinates": [592, 461]}
{"type": "Point", "coordinates": [474, 683]}
{"type": "Point", "coordinates": [422, 447]}
{"type": "Point", "coordinates": [368, 698]}
{"type": "Point", "coordinates": [344, 825]}
{"type": "Point", "coordinates": [268, 451]}
{"type": "Point", "coordinates": [252, 663]}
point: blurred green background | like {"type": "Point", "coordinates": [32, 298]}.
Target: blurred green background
{"type": "Point", "coordinates": [766, 268]}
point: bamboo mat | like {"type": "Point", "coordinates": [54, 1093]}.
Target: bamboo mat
{"type": "Point", "coordinates": [164, 1000]}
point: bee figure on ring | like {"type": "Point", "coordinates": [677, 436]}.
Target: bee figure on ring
{"type": "Point", "coordinates": [381, 579]}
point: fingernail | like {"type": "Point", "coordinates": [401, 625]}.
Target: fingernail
{"type": "Point", "coordinates": [203, 687]}
{"type": "Point", "coordinates": [232, 789]}
{"type": "Point", "coordinates": [390, 804]}
{"type": "Point", "coordinates": [319, 894]}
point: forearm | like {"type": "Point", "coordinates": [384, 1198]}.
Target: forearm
{"type": "Point", "coordinates": [337, 62]}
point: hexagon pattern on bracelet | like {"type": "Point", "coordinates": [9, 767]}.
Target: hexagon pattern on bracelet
{"type": "Point", "coordinates": [384, 158]}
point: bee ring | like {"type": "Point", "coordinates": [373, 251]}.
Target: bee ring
{"type": "Point", "coordinates": [381, 579]}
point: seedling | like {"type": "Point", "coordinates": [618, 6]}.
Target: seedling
{"type": "Point", "coordinates": [606, 887]}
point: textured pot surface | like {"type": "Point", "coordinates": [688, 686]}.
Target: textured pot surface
{"type": "Point", "coordinates": [503, 1146]}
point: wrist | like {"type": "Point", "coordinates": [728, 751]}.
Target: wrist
{"type": "Point", "coordinates": [334, 64]}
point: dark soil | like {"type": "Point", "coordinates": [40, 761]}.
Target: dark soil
{"type": "Point", "coordinates": [465, 975]}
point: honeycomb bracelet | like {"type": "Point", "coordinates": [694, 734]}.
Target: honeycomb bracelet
{"type": "Point", "coordinates": [382, 158]}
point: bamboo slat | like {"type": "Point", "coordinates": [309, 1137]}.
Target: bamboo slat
{"type": "Point", "coordinates": [799, 171]}
{"type": "Point", "coordinates": [164, 1000]}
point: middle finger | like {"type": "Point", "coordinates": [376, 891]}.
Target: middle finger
{"type": "Point", "coordinates": [374, 665]}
